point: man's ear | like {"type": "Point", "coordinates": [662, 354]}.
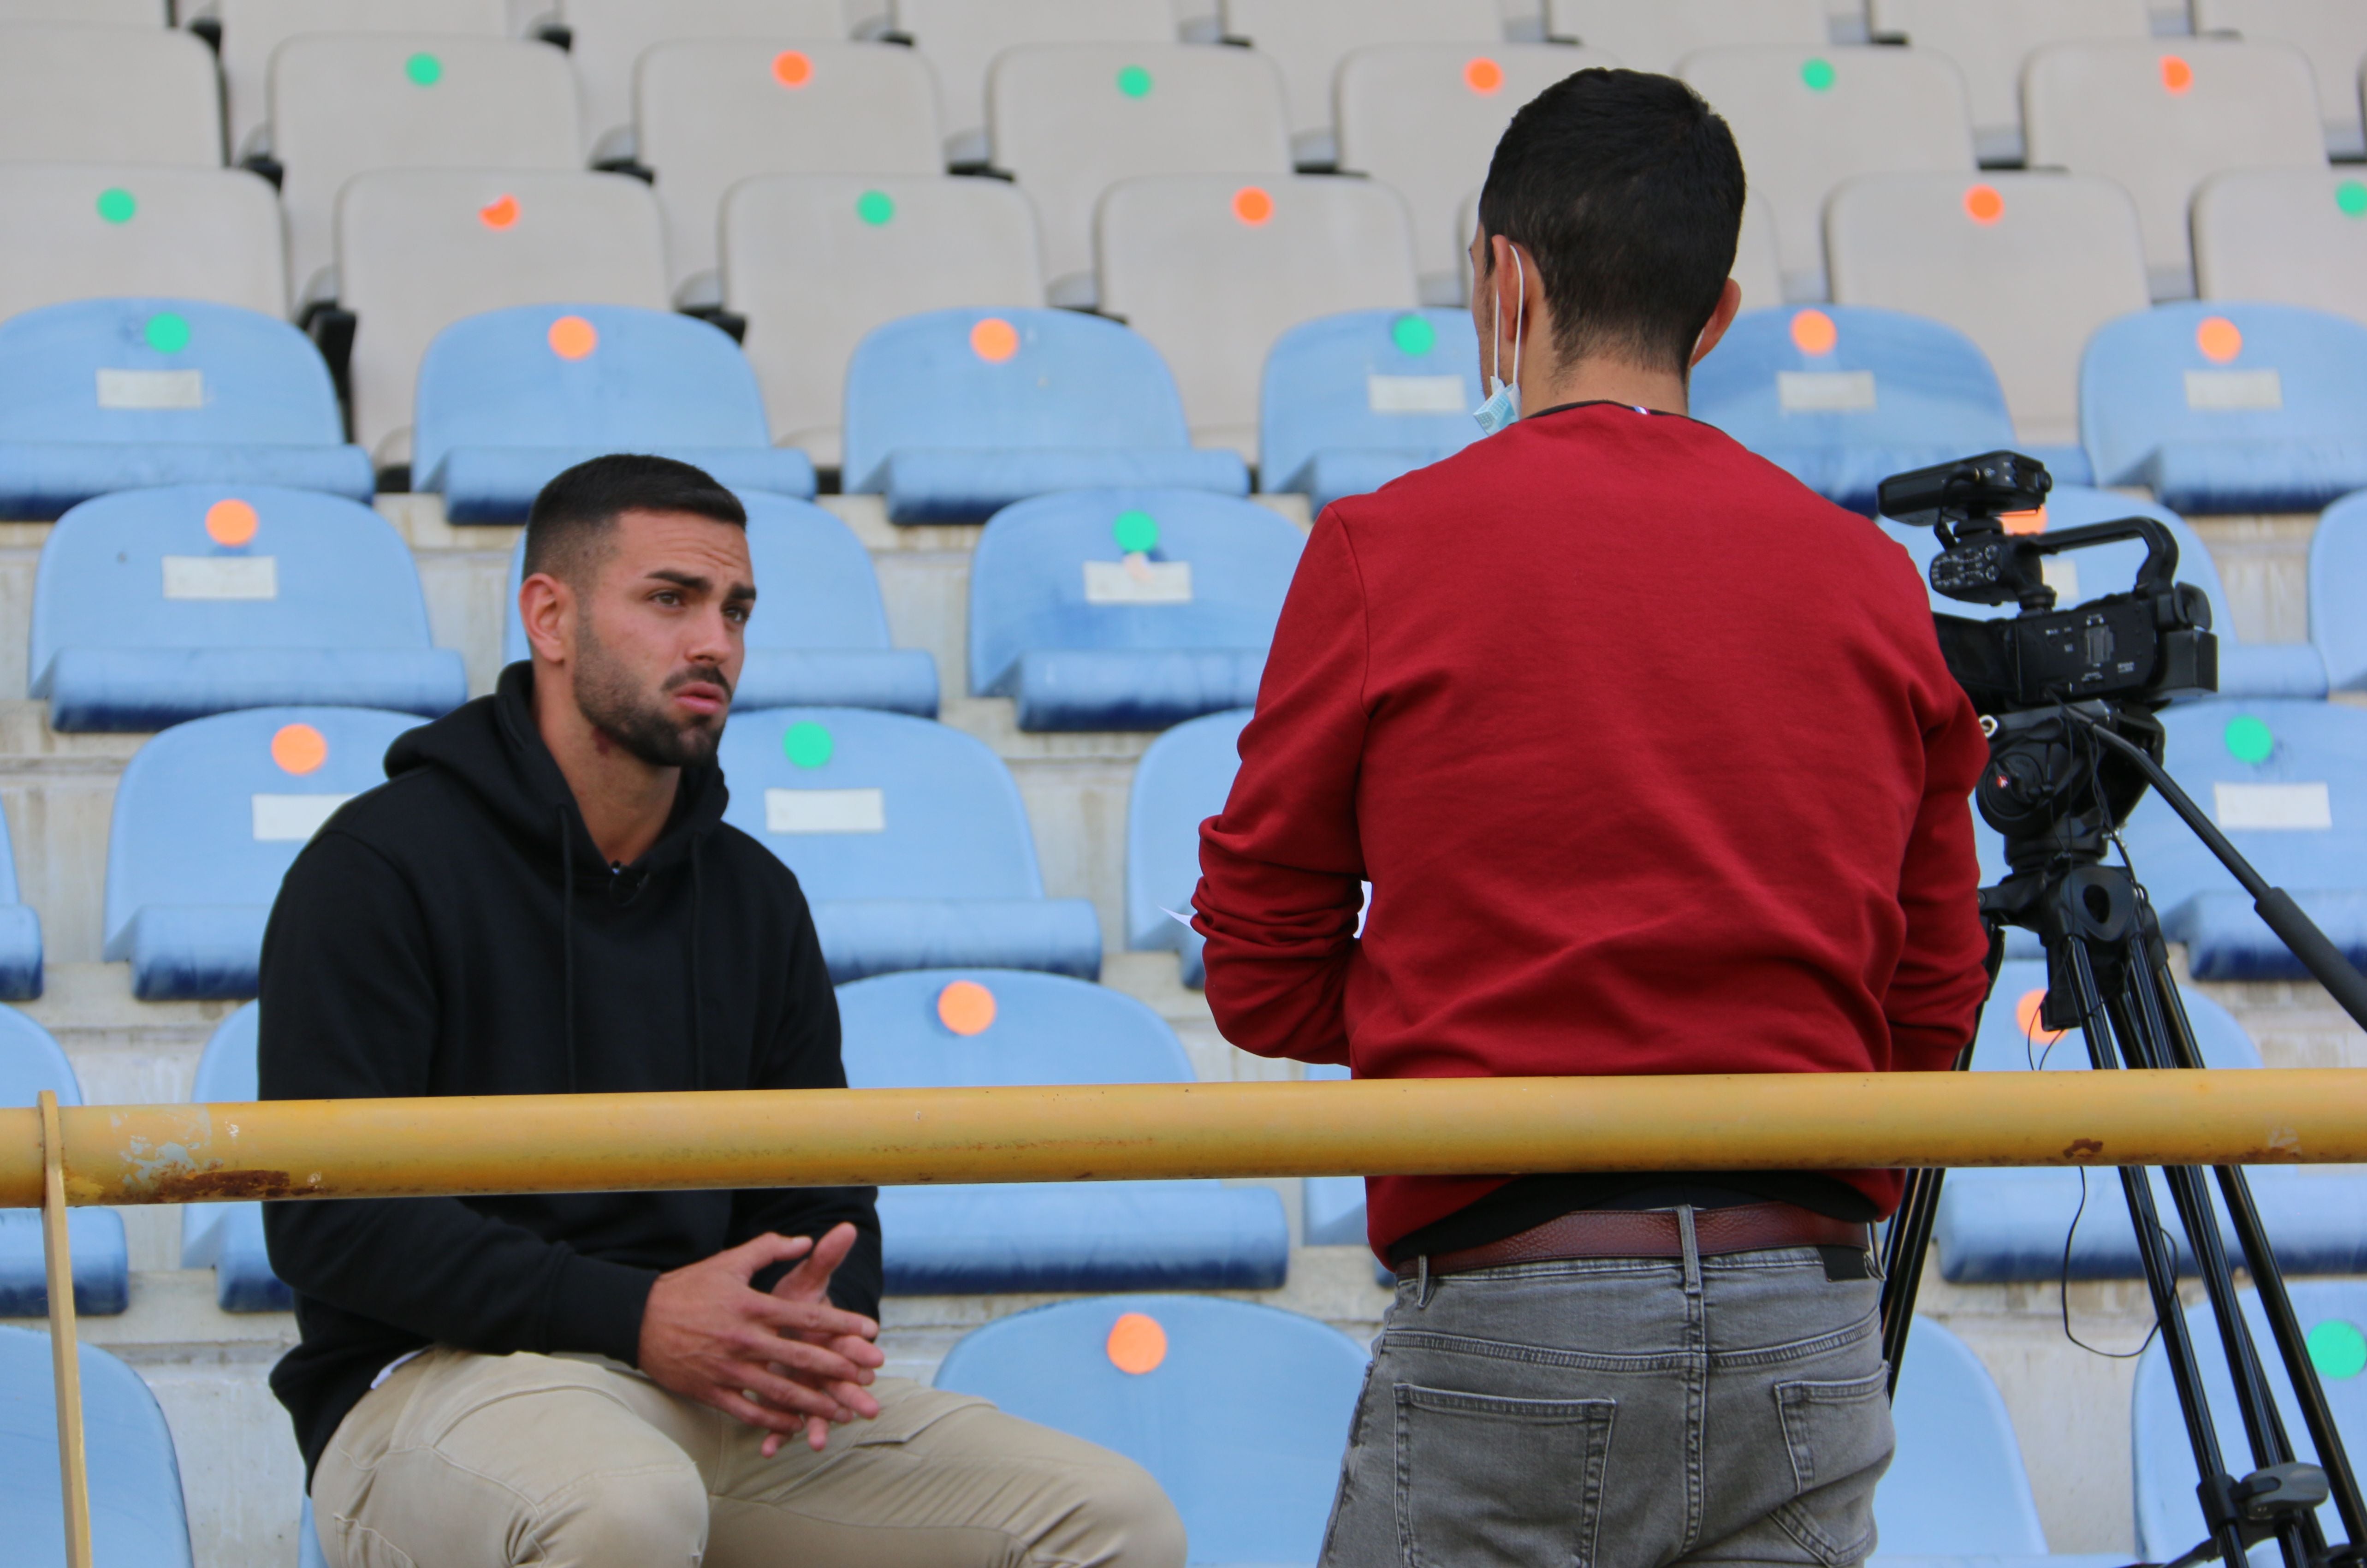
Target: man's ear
{"type": "Point", "coordinates": [547, 607]}
{"type": "Point", "coordinates": [1729, 302]}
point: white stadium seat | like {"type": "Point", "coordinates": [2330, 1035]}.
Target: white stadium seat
{"type": "Point", "coordinates": [1990, 41]}
{"type": "Point", "coordinates": [82, 231]}
{"type": "Point", "coordinates": [108, 95]}
{"type": "Point", "coordinates": [2332, 33]}
{"type": "Point", "coordinates": [608, 38]}
{"type": "Point", "coordinates": [2288, 236]}
{"type": "Point", "coordinates": [250, 29]}
{"type": "Point", "coordinates": [1308, 39]}
{"type": "Point", "coordinates": [1654, 35]}
{"type": "Point", "coordinates": [959, 39]}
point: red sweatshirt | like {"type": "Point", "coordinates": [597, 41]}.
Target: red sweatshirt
{"type": "Point", "coordinates": [1650, 756]}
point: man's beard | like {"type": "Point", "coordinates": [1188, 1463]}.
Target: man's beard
{"type": "Point", "coordinates": [604, 691]}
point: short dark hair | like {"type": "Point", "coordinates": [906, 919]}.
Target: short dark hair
{"type": "Point", "coordinates": [577, 510]}
{"type": "Point", "coordinates": [1626, 191]}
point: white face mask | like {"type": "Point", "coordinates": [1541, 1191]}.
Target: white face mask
{"type": "Point", "coordinates": [1503, 404]}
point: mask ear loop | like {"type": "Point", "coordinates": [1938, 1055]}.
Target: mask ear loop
{"type": "Point", "coordinates": [1520, 314]}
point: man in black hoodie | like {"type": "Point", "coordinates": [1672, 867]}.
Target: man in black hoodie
{"type": "Point", "coordinates": [544, 899]}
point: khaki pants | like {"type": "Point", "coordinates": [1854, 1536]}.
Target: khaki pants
{"type": "Point", "coordinates": [461, 1461]}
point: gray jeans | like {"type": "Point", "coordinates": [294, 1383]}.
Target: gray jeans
{"type": "Point", "coordinates": [1620, 1413]}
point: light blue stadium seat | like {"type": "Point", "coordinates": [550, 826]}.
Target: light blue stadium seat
{"type": "Point", "coordinates": [819, 637]}
{"type": "Point", "coordinates": [153, 607]}
{"type": "Point", "coordinates": [1351, 401]}
{"type": "Point", "coordinates": [30, 1063]}
{"type": "Point", "coordinates": [509, 398]}
{"type": "Point", "coordinates": [1127, 610]}
{"type": "Point", "coordinates": [2219, 406]}
{"type": "Point", "coordinates": [137, 1518]}
{"type": "Point", "coordinates": [20, 932]}
{"type": "Point", "coordinates": [2337, 586]}
{"type": "Point", "coordinates": [207, 817]}
{"type": "Point", "coordinates": [2298, 812]}
{"type": "Point", "coordinates": [98, 396]}
{"type": "Point", "coordinates": [2333, 1315]}
{"type": "Point", "coordinates": [1240, 1413]}
{"type": "Point", "coordinates": [1332, 1209]}
{"type": "Point", "coordinates": [954, 414]}
{"type": "Point", "coordinates": [1182, 781]}
{"type": "Point", "coordinates": [909, 840]}
{"type": "Point", "coordinates": [228, 1237]}
{"type": "Point", "coordinates": [1001, 1027]}
{"type": "Point", "coordinates": [1996, 1225]}
{"type": "Point", "coordinates": [308, 1539]}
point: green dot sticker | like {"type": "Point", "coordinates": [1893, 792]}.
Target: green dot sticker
{"type": "Point", "coordinates": [2338, 1349]}
{"type": "Point", "coordinates": [875, 206]}
{"type": "Point", "coordinates": [2249, 740]}
{"type": "Point", "coordinates": [1413, 334]}
{"type": "Point", "coordinates": [424, 69]}
{"type": "Point", "coordinates": [115, 205]}
{"type": "Point", "coordinates": [2351, 196]}
{"type": "Point", "coordinates": [806, 743]}
{"type": "Point", "coordinates": [167, 333]}
{"type": "Point", "coordinates": [1818, 74]}
{"type": "Point", "coordinates": [1133, 82]}
{"type": "Point", "coordinates": [1136, 532]}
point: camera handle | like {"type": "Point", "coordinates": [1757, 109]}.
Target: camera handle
{"type": "Point", "coordinates": [1986, 565]}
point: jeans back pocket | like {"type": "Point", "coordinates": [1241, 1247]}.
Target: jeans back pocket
{"type": "Point", "coordinates": [1485, 1479]}
{"type": "Point", "coordinates": [1840, 1439]}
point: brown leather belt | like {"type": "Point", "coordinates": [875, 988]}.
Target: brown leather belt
{"type": "Point", "coordinates": [1652, 1233]}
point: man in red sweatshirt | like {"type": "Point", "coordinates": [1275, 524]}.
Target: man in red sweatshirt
{"type": "Point", "coordinates": [1653, 765]}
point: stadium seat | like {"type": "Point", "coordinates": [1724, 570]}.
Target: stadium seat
{"type": "Point", "coordinates": [1989, 41]}
{"type": "Point", "coordinates": [256, 596]}
{"type": "Point", "coordinates": [137, 1517]}
{"type": "Point", "coordinates": [1808, 121]}
{"type": "Point", "coordinates": [2331, 33]}
{"type": "Point", "coordinates": [1423, 119]}
{"type": "Point", "coordinates": [2026, 266]}
{"type": "Point", "coordinates": [960, 38]}
{"type": "Point", "coordinates": [102, 95]}
{"type": "Point", "coordinates": [252, 29]}
{"type": "Point", "coordinates": [1655, 35]}
{"type": "Point", "coordinates": [910, 839]}
{"type": "Point", "coordinates": [960, 1027]}
{"type": "Point", "coordinates": [715, 112]}
{"type": "Point", "coordinates": [1757, 267]}
{"type": "Point", "coordinates": [112, 394]}
{"type": "Point", "coordinates": [20, 932]}
{"type": "Point", "coordinates": [814, 262]}
{"type": "Point", "coordinates": [419, 249]}
{"type": "Point", "coordinates": [608, 38]}
{"type": "Point", "coordinates": [88, 13]}
{"type": "Point", "coordinates": [30, 1063]}
{"type": "Point", "coordinates": [1212, 269]}
{"type": "Point", "coordinates": [1239, 1412]}
{"type": "Point", "coordinates": [1071, 120]}
{"type": "Point", "coordinates": [2161, 118]}
{"type": "Point", "coordinates": [83, 231]}
{"type": "Point", "coordinates": [207, 817]}
{"type": "Point", "coordinates": [509, 398]}
{"type": "Point", "coordinates": [1332, 1209]}
{"type": "Point", "coordinates": [1309, 39]}
{"type": "Point", "coordinates": [2338, 585]}
{"type": "Point", "coordinates": [343, 105]}
{"type": "Point", "coordinates": [1350, 401]}
{"type": "Point", "coordinates": [1844, 396]}
{"type": "Point", "coordinates": [954, 414]}
{"type": "Point", "coordinates": [1127, 610]}
{"type": "Point", "coordinates": [228, 1237]}
{"type": "Point", "coordinates": [2288, 236]}
{"type": "Point", "coordinates": [818, 636]}
{"type": "Point", "coordinates": [1182, 781]}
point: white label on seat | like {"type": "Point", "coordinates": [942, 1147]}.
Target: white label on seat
{"type": "Point", "coordinates": [292, 819]}
{"type": "Point", "coordinates": [2234, 392]}
{"type": "Point", "coordinates": [825, 810]}
{"type": "Point", "coordinates": [2302, 806]}
{"type": "Point", "coordinates": [2061, 573]}
{"type": "Point", "coordinates": [1415, 394]}
{"type": "Point", "coordinates": [1824, 392]}
{"type": "Point", "coordinates": [222, 576]}
{"type": "Point", "coordinates": [1138, 582]}
{"type": "Point", "coordinates": [151, 388]}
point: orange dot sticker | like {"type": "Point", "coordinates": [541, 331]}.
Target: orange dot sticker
{"type": "Point", "coordinates": [1483, 75]}
{"type": "Point", "coordinates": [1136, 1344]}
{"type": "Point", "coordinates": [966, 1007]}
{"type": "Point", "coordinates": [2219, 340]}
{"type": "Point", "coordinates": [1813, 331]}
{"type": "Point", "coordinates": [792, 68]}
{"type": "Point", "coordinates": [300, 748]}
{"type": "Point", "coordinates": [2025, 522]}
{"type": "Point", "coordinates": [572, 337]}
{"type": "Point", "coordinates": [2176, 75]}
{"type": "Point", "coordinates": [2025, 1013]}
{"type": "Point", "coordinates": [1252, 205]}
{"type": "Point", "coordinates": [1984, 203]}
{"type": "Point", "coordinates": [231, 523]}
{"type": "Point", "coordinates": [994, 340]}
{"type": "Point", "coordinates": [499, 213]}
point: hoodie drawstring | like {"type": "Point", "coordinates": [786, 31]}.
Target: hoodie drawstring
{"type": "Point", "coordinates": [567, 938]}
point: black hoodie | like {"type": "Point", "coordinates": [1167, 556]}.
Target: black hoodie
{"type": "Point", "coordinates": [454, 931]}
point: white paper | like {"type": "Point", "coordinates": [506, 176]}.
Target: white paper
{"type": "Point", "coordinates": [825, 810]}
{"type": "Point", "coordinates": [1416, 394]}
{"type": "Point", "coordinates": [1138, 582]}
{"type": "Point", "coordinates": [222, 576]}
{"type": "Point", "coordinates": [2234, 392]}
{"type": "Point", "coordinates": [292, 819]}
{"type": "Point", "coordinates": [2302, 807]}
{"type": "Point", "coordinates": [1824, 392]}
{"type": "Point", "coordinates": [151, 388]}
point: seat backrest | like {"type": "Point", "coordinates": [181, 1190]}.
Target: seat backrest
{"type": "Point", "coordinates": [175, 371]}
{"type": "Point", "coordinates": [714, 112]}
{"type": "Point", "coordinates": [1212, 268]}
{"type": "Point", "coordinates": [345, 104]}
{"type": "Point", "coordinates": [864, 804]}
{"type": "Point", "coordinates": [1655, 35]}
{"type": "Point", "coordinates": [1240, 1411]}
{"type": "Point", "coordinates": [1757, 266]}
{"type": "Point", "coordinates": [252, 29]}
{"type": "Point", "coordinates": [815, 262]}
{"type": "Point", "coordinates": [993, 379]}
{"type": "Point", "coordinates": [88, 13]}
{"type": "Point", "coordinates": [214, 810]}
{"type": "Point", "coordinates": [1308, 39]}
{"type": "Point", "coordinates": [2026, 266]}
{"type": "Point", "coordinates": [419, 249]}
{"type": "Point", "coordinates": [1423, 119]}
{"type": "Point", "coordinates": [2160, 116]}
{"type": "Point", "coordinates": [619, 376]}
{"type": "Point", "coordinates": [2013, 1038]}
{"type": "Point", "coordinates": [959, 39]}
{"type": "Point", "coordinates": [609, 37]}
{"type": "Point", "coordinates": [958, 1029]}
{"type": "Point", "coordinates": [1070, 121]}
{"type": "Point", "coordinates": [137, 1515]}
{"type": "Point", "coordinates": [1956, 1485]}
{"type": "Point", "coordinates": [1988, 44]}
{"type": "Point", "coordinates": [2338, 585]}
{"type": "Point", "coordinates": [2293, 236]}
{"type": "Point", "coordinates": [1807, 120]}
{"type": "Point", "coordinates": [2331, 33]}
{"type": "Point", "coordinates": [84, 231]}
{"type": "Point", "coordinates": [1368, 380]}
{"type": "Point", "coordinates": [1182, 781]}
{"type": "Point", "coordinates": [32, 1060]}
{"type": "Point", "coordinates": [108, 95]}
{"type": "Point", "coordinates": [1849, 375]}
{"type": "Point", "coordinates": [226, 1071]}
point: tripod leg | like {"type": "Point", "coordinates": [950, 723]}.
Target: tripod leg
{"type": "Point", "coordinates": [1903, 1251]}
